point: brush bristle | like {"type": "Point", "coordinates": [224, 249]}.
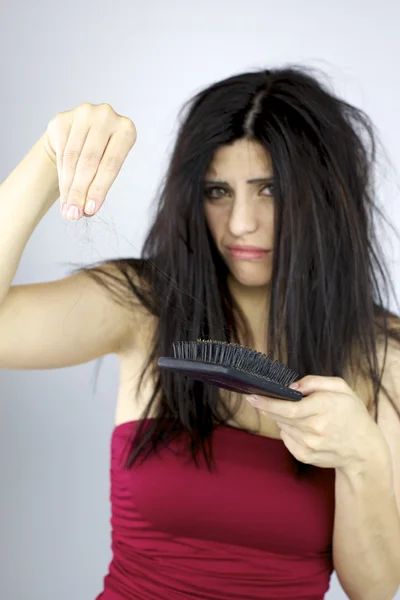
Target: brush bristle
{"type": "Point", "coordinates": [237, 357]}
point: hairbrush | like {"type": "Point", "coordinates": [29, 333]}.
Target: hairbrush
{"type": "Point", "coordinates": [232, 367]}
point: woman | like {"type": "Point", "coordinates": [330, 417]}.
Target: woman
{"type": "Point", "coordinates": [215, 495]}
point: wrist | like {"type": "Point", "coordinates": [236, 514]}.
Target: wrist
{"type": "Point", "coordinates": [32, 187]}
{"type": "Point", "coordinates": [48, 152]}
{"type": "Point", "coordinates": [371, 455]}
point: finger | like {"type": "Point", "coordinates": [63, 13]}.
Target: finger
{"type": "Point", "coordinates": [60, 142]}
{"type": "Point", "coordinates": [279, 419]}
{"type": "Point", "coordinates": [70, 158]}
{"type": "Point", "coordinates": [274, 408]}
{"type": "Point", "coordinates": [114, 156]}
{"type": "Point", "coordinates": [292, 431]}
{"type": "Point", "coordinates": [317, 383]}
{"type": "Point", "coordinates": [92, 152]}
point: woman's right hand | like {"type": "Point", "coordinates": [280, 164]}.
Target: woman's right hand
{"type": "Point", "coordinates": [88, 145]}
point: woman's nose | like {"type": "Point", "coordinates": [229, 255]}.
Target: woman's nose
{"type": "Point", "coordinates": [243, 219]}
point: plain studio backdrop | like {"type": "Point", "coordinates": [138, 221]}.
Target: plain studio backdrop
{"type": "Point", "coordinates": [145, 59]}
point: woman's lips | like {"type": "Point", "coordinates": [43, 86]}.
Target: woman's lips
{"type": "Point", "coordinates": [248, 254]}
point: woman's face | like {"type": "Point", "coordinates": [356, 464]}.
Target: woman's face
{"type": "Point", "coordinates": [240, 211]}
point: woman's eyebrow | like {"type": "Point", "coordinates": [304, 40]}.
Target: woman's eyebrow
{"type": "Point", "coordinates": [257, 180]}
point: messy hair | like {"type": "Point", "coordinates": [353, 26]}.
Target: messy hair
{"type": "Point", "coordinates": [329, 288]}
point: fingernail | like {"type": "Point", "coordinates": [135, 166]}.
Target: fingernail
{"type": "Point", "coordinates": [72, 212]}
{"type": "Point", "coordinates": [294, 386]}
{"type": "Point", "coordinates": [90, 207]}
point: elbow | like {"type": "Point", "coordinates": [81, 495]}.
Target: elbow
{"type": "Point", "coordinates": [382, 590]}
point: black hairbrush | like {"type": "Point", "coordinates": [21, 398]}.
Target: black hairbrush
{"type": "Point", "coordinates": [232, 367]}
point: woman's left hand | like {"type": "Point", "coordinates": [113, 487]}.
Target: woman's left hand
{"type": "Point", "coordinates": [329, 427]}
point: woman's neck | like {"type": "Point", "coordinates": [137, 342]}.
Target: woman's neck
{"type": "Point", "coordinates": [254, 302]}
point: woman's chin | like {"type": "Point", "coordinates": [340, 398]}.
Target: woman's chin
{"type": "Point", "coordinates": [252, 280]}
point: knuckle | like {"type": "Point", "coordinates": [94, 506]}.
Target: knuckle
{"type": "Point", "coordinates": [128, 129]}
{"type": "Point", "coordinates": [105, 111]}
{"type": "Point", "coordinates": [84, 109]}
{"type": "Point", "coordinates": [106, 107]}
{"type": "Point", "coordinates": [71, 158]}
{"type": "Point", "coordinates": [317, 429]}
{"type": "Point", "coordinates": [86, 106]}
{"type": "Point", "coordinates": [308, 442]}
{"type": "Point", "coordinates": [311, 443]}
{"type": "Point", "coordinates": [90, 159]}
{"type": "Point", "coordinates": [77, 194]}
{"type": "Point", "coordinates": [110, 163]}
{"type": "Point", "coordinates": [96, 192]}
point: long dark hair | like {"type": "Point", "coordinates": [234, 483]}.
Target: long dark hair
{"type": "Point", "coordinates": [327, 310]}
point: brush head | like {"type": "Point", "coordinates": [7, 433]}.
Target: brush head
{"type": "Point", "coordinates": [233, 367]}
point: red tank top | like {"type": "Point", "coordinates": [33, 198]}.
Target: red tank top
{"type": "Point", "coordinates": [248, 530]}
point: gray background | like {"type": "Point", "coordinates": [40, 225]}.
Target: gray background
{"type": "Point", "coordinates": [145, 59]}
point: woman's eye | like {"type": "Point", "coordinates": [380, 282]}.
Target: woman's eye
{"type": "Point", "coordinates": [208, 192]}
{"type": "Point", "coordinates": [270, 187]}
{"type": "Point", "coordinates": [213, 192]}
